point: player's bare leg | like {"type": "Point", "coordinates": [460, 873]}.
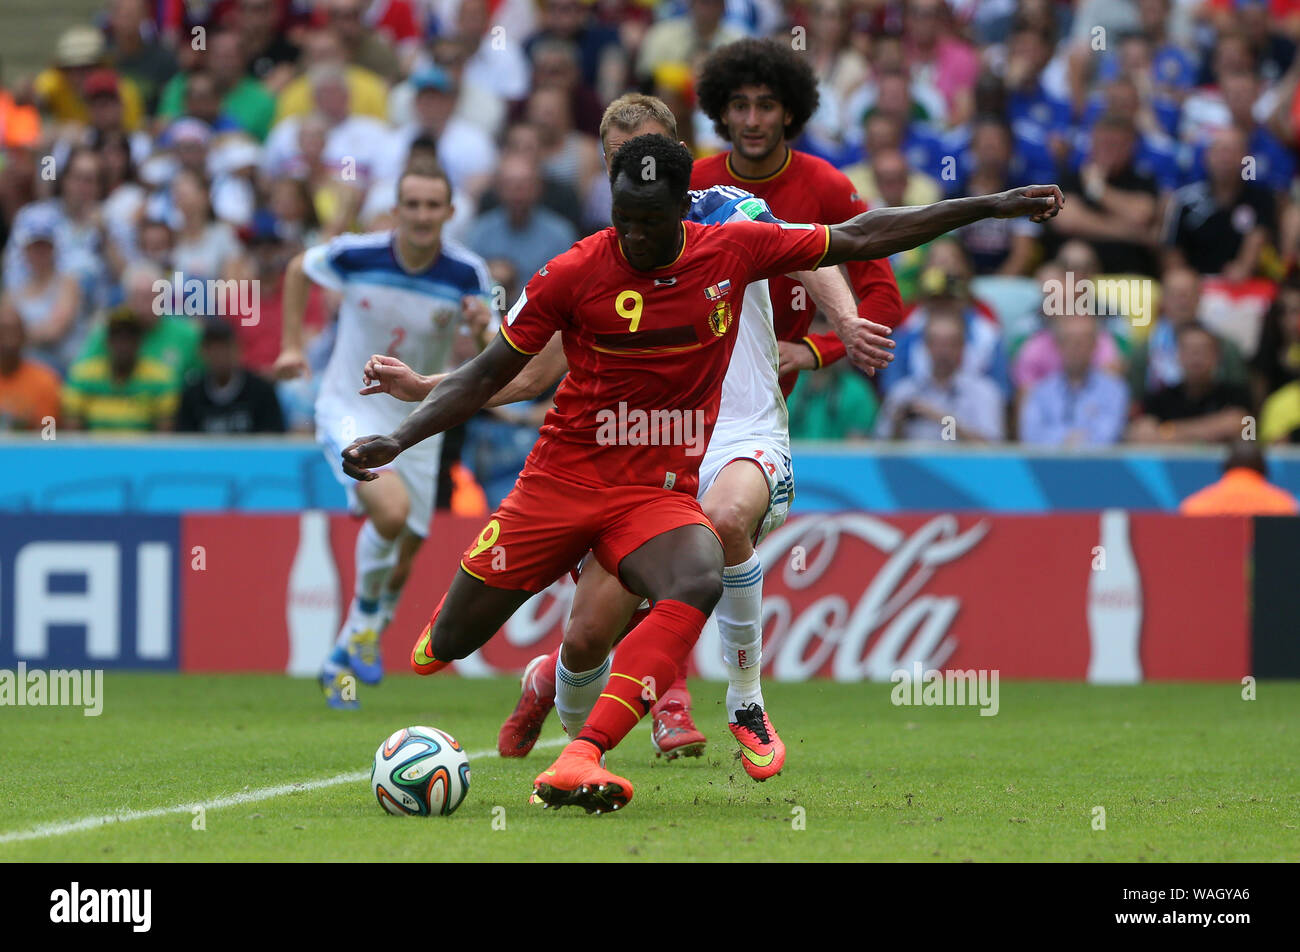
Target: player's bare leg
{"type": "Point", "coordinates": [384, 545]}
{"type": "Point", "coordinates": [467, 617]}
{"type": "Point", "coordinates": [736, 504]}
{"type": "Point", "coordinates": [680, 571]}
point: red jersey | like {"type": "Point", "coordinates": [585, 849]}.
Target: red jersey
{"type": "Point", "coordinates": [808, 189]}
{"type": "Point", "coordinates": [647, 350]}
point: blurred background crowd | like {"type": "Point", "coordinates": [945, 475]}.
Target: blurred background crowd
{"type": "Point", "coordinates": [215, 140]}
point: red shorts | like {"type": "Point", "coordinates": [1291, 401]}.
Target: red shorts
{"type": "Point", "coordinates": [546, 525]}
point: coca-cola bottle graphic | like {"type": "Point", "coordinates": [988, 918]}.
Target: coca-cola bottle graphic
{"type": "Point", "coordinates": [312, 602]}
{"type": "Point", "coordinates": [1115, 606]}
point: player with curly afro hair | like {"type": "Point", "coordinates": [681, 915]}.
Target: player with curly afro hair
{"type": "Point", "coordinates": [789, 81]}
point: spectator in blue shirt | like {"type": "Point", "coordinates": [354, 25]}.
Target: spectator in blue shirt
{"type": "Point", "coordinates": [943, 402]}
{"type": "Point", "coordinates": [1079, 405]}
{"type": "Point", "coordinates": [520, 230]}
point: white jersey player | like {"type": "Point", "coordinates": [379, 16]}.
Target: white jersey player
{"type": "Point", "coordinates": [405, 293]}
{"type": "Point", "coordinates": [746, 485]}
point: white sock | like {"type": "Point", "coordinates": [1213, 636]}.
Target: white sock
{"type": "Point", "coordinates": [375, 558]}
{"type": "Point", "coordinates": [576, 693]}
{"type": "Point", "coordinates": [740, 613]}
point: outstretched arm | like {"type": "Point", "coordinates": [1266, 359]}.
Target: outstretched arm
{"type": "Point", "coordinates": [886, 231]}
{"type": "Point", "coordinates": [384, 374]}
{"type": "Point", "coordinates": [458, 397]}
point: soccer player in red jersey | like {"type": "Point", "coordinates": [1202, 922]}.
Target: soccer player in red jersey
{"type": "Point", "coordinates": [760, 94]}
{"type": "Point", "coordinates": [645, 314]}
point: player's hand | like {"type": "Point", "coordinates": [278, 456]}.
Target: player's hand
{"type": "Point", "coordinates": [365, 454]}
{"type": "Point", "coordinates": [867, 344]}
{"type": "Point", "coordinates": [476, 312]}
{"type": "Point", "coordinates": [1036, 202]}
{"type": "Point", "coordinates": [385, 374]}
{"type": "Point", "coordinates": [290, 364]}
{"type": "Point", "coordinates": [794, 357]}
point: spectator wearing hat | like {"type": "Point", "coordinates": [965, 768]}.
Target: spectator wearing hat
{"type": "Point", "coordinates": [1078, 405]}
{"type": "Point", "coordinates": [59, 89]}
{"type": "Point", "coordinates": [121, 391]}
{"type": "Point", "coordinates": [228, 98]}
{"type": "Point", "coordinates": [29, 390]}
{"type": "Point", "coordinates": [171, 340]}
{"type": "Point", "coordinates": [136, 51]}
{"type": "Point", "coordinates": [48, 300]}
{"type": "Point", "coordinates": [227, 398]}
{"type": "Point", "coordinates": [465, 152]}
{"type": "Point", "coordinates": [944, 401]}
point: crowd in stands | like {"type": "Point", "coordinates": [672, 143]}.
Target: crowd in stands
{"type": "Point", "coordinates": [212, 142]}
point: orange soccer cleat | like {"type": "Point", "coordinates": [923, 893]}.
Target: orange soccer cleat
{"type": "Point", "coordinates": [422, 662]}
{"type": "Point", "coordinates": [577, 779]}
{"type": "Point", "coordinates": [761, 750]}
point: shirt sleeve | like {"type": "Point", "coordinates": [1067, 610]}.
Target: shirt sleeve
{"type": "Point", "coordinates": [779, 249]}
{"type": "Point", "coordinates": [323, 265]}
{"type": "Point", "coordinates": [544, 307]}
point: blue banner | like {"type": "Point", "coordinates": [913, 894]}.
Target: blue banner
{"type": "Point", "coordinates": [288, 475]}
{"type": "Point", "coordinates": [90, 591]}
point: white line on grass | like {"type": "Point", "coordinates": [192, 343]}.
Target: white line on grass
{"type": "Point", "coordinates": [234, 800]}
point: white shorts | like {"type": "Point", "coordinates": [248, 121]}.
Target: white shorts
{"type": "Point", "coordinates": [774, 462]}
{"type": "Point", "coordinates": [417, 467]}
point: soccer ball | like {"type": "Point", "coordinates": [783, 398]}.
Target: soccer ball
{"type": "Point", "coordinates": [420, 771]}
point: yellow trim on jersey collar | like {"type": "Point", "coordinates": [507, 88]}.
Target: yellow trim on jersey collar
{"type": "Point", "coordinates": [789, 157]}
{"type": "Point", "coordinates": [662, 266]}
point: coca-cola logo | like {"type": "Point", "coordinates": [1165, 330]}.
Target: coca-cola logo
{"type": "Point", "coordinates": [850, 621]}
{"type": "Point", "coordinates": [868, 631]}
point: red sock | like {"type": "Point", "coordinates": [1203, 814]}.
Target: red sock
{"type": "Point", "coordinates": [422, 659]}
{"type": "Point", "coordinates": [648, 660]}
{"type": "Point", "coordinates": [677, 692]}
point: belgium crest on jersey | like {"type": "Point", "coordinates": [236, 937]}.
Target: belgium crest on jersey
{"type": "Point", "coordinates": [720, 318]}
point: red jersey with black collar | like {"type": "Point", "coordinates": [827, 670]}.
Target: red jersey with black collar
{"type": "Point", "coordinates": [647, 350]}
{"type": "Point", "coordinates": [809, 189]}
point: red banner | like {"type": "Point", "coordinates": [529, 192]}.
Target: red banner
{"type": "Point", "coordinates": [1107, 597]}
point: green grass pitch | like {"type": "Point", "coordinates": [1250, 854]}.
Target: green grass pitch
{"type": "Point", "coordinates": [1183, 772]}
